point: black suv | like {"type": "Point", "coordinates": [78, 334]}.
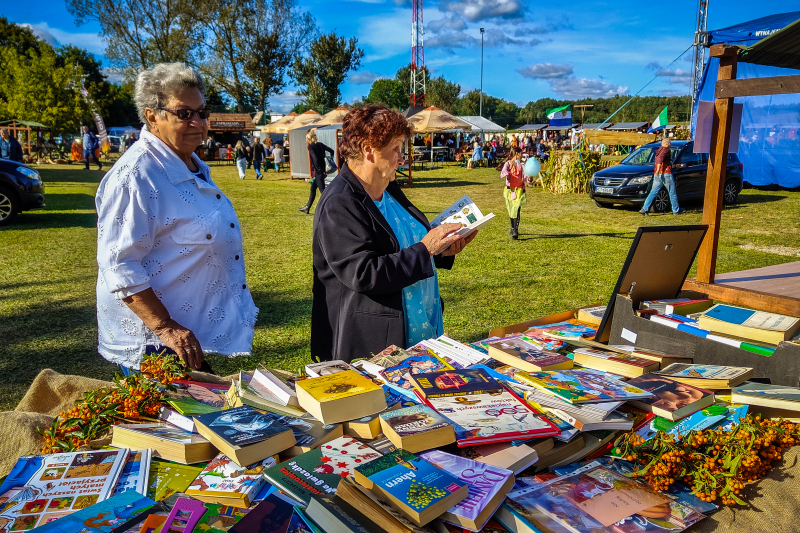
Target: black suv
{"type": "Point", "coordinates": [21, 189]}
{"type": "Point", "coordinates": [629, 182]}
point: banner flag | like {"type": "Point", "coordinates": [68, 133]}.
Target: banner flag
{"type": "Point", "coordinates": [660, 122]}
{"type": "Point", "coordinates": [560, 116]}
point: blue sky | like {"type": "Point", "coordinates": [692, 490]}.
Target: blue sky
{"type": "Point", "coordinates": [579, 49]}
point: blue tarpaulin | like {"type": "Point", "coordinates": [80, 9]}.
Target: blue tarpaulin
{"type": "Point", "coordinates": [769, 140]}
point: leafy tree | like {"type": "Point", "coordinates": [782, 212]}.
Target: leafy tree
{"type": "Point", "coordinates": [403, 75]}
{"type": "Point", "coordinates": [21, 38]}
{"type": "Point", "coordinates": [322, 72]}
{"type": "Point", "coordinates": [388, 92]}
{"type": "Point", "coordinates": [443, 94]}
{"type": "Point", "coordinates": [141, 33]}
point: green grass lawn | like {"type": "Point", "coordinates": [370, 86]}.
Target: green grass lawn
{"type": "Point", "coordinates": [569, 254]}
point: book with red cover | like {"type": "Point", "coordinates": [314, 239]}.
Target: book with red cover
{"type": "Point", "coordinates": [489, 418]}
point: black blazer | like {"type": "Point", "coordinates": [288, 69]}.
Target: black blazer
{"type": "Point", "coordinates": [316, 152]}
{"type": "Point", "coordinates": [360, 272]}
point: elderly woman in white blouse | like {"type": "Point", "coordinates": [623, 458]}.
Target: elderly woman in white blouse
{"type": "Point", "coordinates": [169, 246]}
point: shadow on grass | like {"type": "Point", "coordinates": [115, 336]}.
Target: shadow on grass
{"type": "Point", "coordinates": [758, 199]}
{"type": "Point", "coordinates": [76, 174]}
{"type": "Point", "coordinates": [31, 220]}
{"type": "Point", "coordinates": [422, 183]}
{"type": "Point", "coordinates": [530, 236]}
{"type": "Point", "coordinates": [280, 310]}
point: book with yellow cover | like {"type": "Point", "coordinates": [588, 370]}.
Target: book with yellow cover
{"type": "Point", "coordinates": [340, 397]}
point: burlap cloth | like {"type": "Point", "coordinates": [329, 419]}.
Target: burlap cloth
{"type": "Point", "coordinates": [50, 394]}
{"type": "Point", "coordinates": [774, 501]}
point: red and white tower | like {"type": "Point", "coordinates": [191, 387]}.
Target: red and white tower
{"type": "Point", "coordinates": [417, 89]}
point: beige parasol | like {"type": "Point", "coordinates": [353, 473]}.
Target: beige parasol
{"type": "Point", "coordinates": [271, 128]}
{"type": "Point", "coordinates": [334, 117]}
{"type": "Point", "coordinates": [432, 119]}
{"type": "Point", "coordinates": [292, 121]}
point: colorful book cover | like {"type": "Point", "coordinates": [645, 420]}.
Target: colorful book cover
{"type": "Point", "coordinates": [271, 515]}
{"type": "Point", "coordinates": [320, 470]}
{"type": "Point", "coordinates": [413, 420]}
{"type": "Point", "coordinates": [220, 518]}
{"type": "Point", "coordinates": [410, 479]}
{"type": "Point", "coordinates": [568, 431]}
{"type": "Point", "coordinates": [483, 481]}
{"type": "Point", "coordinates": [568, 328]}
{"type": "Point", "coordinates": [166, 432]}
{"type": "Point", "coordinates": [421, 363]}
{"type": "Point", "coordinates": [455, 382]}
{"type": "Point", "coordinates": [390, 356]}
{"type": "Point", "coordinates": [336, 386]}
{"type": "Point", "coordinates": [135, 472]}
{"type": "Point", "coordinates": [628, 359]}
{"type": "Point", "coordinates": [168, 478]}
{"type": "Point", "coordinates": [188, 406]}
{"type": "Point", "coordinates": [546, 342]}
{"type": "Point", "coordinates": [521, 347]}
{"type": "Point", "coordinates": [223, 478]}
{"type": "Point", "coordinates": [307, 431]}
{"type": "Point", "coordinates": [55, 485]}
{"type": "Point", "coordinates": [486, 418]}
{"type": "Point", "coordinates": [679, 370]}
{"type": "Point", "coordinates": [750, 318]}
{"type": "Point", "coordinates": [481, 344]}
{"type": "Point", "coordinates": [669, 395]}
{"type": "Point", "coordinates": [101, 517]}
{"type": "Point", "coordinates": [242, 425]}
{"type": "Point", "coordinates": [599, 500]}
{"type": "Point", "coordinates": [582, 386]}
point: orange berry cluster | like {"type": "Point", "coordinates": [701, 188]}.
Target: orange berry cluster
{"type": "Point", "coordinates": [716, 464]}
{"type": "Point", "coordinates": [131, 399]}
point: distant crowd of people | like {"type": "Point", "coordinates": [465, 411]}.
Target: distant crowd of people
{"type": "Point", "coordinates": [246, 154]}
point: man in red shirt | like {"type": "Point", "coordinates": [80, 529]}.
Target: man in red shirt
{"type": "Point", "coordinates": [662, 177]}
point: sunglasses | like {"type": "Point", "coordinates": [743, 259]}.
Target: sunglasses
{"type": "Point", "coordinates": [187, 114]}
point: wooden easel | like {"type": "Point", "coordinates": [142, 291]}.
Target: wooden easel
{"type": "Point", "coordinates": [727, 88]}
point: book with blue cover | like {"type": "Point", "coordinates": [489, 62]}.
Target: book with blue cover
{"type": "Point", "coordinates": [455, 383]}
{"type": "Point", "coordinates": [101, 517]}
{"type": "Point", "coordinates": [241, 426]}
{"type": "Point", "coordinates": [413, 486]}
{"type": "Point", "coordinates": [748, 323]}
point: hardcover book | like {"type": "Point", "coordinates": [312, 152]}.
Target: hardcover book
{"type": "Point", "coordinates": [671, 400]}
{"type": "Point", "coordinates": [400, 374]}
{"type": "Point", "coordinates": [518, 351]}
{"type": "Point", "coordinates": [56, 485]}
{"type": "Point", "coordinates": [455, 383]}
{"type": "Point", "coordinates": [418, 489]}
{"type": "Point", "coordinates": [464, 212]}
{"type": "Point", "coordinates": [223, 481]}
{"type": "Point", "coordinates": [135, 473]}
{"type": "Point", "coordinates": [101, 517]}
{"type": "Point", "coordinates": [319, 471]}
{"type": "Point", "coordinates": [220, 518]}
{"type": "Point", "coordinates": [583, 386]}
{"type": "Point", "coordinates": [487, 487]}
{"type": "Point", "coordinates": [488, 418]}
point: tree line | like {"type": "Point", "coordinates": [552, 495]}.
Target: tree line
{"type": "Point", "coordinates": [446, 95]}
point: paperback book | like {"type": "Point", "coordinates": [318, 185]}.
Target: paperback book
{"type": "Point", "coordinates": [240, 426]}
{"type": "Point", "coordinates": [166, 479]}
{"type": "Point", "coordinates": [308, 432]}
{"type": "Point", "coordinates": [519, 351]}
{"type": "Point", "coordinates": [135, 472]}
{"type": "Point", "coordinates": [400, 373]}
{"type": "Point", "coordinates": [757, 325]}
{"type": "Point", "coordinates": [102, 516]}
{"type": "Point", "coordinates": [568, 431]}
{"type": "Point", "coordinates": [596, 410]}
{"type": "Point", "coordinates": [455, 383]}
{"type": "Point", "coordinates": [568, 328]}
{"type": "Point", "coordinates": [464, 212]}
{"type": "Point", "coordinates": [618, 363]}
{"type": "Point", "coordinates": [315, 370]}
{"type": "Point", "coordinates": [417, 428]}
{"type": "Point", "coordinates": [671, 399]}
{"type": "Point", "coordinates": [488, 418]}
{"type": "Point", "coordinates": [167, 441]}
{"type": "Point", "coordinates": [319, 471]}
{"type": "Point", "coordinates": [56, 485]}
{"type": "Point", "coordinates": [583, 386]}
{"type": "Point", "coordinates": [487, 486]}
{"type": "Point", "coordinates": [224, 482]}
{"type": "Point", "coordinates": [777, 396]}
{"type": "Point", "coordinates": [503, 455]}
{"type": "Point", "coordinates": [340, 397]}
{"type": "Point", "coordinates": [389, 356]}
{"type": "Point", "coordinates": [707, 376]}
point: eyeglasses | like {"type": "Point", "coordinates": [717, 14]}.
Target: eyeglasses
{"type": "Point", "coordinates": [187, 114]}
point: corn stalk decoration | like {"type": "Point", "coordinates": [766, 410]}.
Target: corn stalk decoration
{"type": "Point", "coordinates": [569, 171]}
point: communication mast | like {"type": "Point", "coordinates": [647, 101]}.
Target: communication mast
{"type": "Point", "coordinates": [700, 42]}
{"type": "Point", "coordinates": [417, 89]}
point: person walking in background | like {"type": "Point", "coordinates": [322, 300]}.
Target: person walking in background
{"type": "Point", "coordinates": [514, 192]}
{"type": "Point", "coordinates": [477, 155]}
{"type": "Point", "coordinates": [241, 158]}
{"type": "Point", "coordinates": [662, 177]}
{"type": "Point", "coordinates": [90, 144]}
{"type": "Point", "coordinates": [316, 152]}
{"type": "Point", "coordinates": [277, 155]}
{"type": "Point", "coordinates": [258, 157]}
{"type": "Point", "coordinates": [5, 144]}
{"type": "Point", "coordinates": [211, 146]}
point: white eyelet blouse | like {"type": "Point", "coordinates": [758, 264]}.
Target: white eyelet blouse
{"type": "Point", "coordinates": [161, 227]}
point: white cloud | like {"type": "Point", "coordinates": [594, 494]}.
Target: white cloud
{"type": "Point", "coordinates": [546, 71]}
{"type": "Point", "coordinates": [673, 92]}
{"type": "Point", "coordinates": [92, 42]}
{"type": "Point", "coordinates": [112, 75]}
{"type": "Point", "coordinates": [674, 76]}
{"type": "Point", "coordinates": [364, 77]}
{"type": "Point", "coordinates": [494, 37]}
{"type": "Point", "coordinates": [284, 102]}
{"type": "Point", "coordinates": [476, 10]}
{"type": "Point", "coordinates": [574, 88]}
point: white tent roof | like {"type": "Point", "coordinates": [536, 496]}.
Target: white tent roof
{"type": "Point", "coordinates": [483, 124]}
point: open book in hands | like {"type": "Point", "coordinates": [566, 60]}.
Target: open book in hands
{"type": "Point", "coordinates": [463, 212]}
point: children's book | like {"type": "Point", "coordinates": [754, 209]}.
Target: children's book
{"type": "Point", "coordinates": [521, 352]}
{"type": "Point", "coordinates": [718, 414]}
{"type": "Point", "coordinates": [55, 485]}
{"type": "Point", "coordinates": [418, 489]}
{"type": "Point", "coordinates": [464, 212]}
{"type": "Point", "coordinates": [223, 481]}
{"type": "Point", "coordinates": [400, 374]}
{"type": "Point", "coordinates": [488, 418]}
{"type": "Point", "coordinates": [135, 472]}
{"type": "Point", "coordinates": [100, 517]}
{"type": "Point", "coordinates": [389, 356]}
{"type": "Point", "coordinates": [546, 342]}
{"type": "Point", "coordinates": [583, 386]}
{"type": "Point", "coordinates": [220, 518]}
{"type": "Point", "coordinates": [487, 487]}
{"type": "Point", "coordinates": [320, 470]}
{"type": "Point", "coordinates": [455, 383]}
{"type": "Point", "coordinates": [594, 410]}
{"type": "Point", "coordinates": [168, 478]}
{"type": "Point", "coordinates": [568, 328]}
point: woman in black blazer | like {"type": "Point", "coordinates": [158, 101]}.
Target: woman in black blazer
{"type": "Point", "coordinates": [369, 270]}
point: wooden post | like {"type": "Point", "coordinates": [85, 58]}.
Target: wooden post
{"type": "Point", "coordinates": [717, 165]}
{"type": "Point", "coordinates": [410, 160]}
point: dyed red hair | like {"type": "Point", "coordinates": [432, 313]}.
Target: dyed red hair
{"type": "Point", "coordinates": [373, 125]}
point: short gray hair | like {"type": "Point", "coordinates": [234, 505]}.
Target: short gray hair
{"type": "Point", "coordinates": [156, 85]}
